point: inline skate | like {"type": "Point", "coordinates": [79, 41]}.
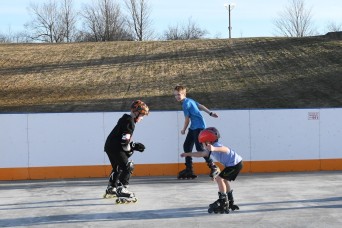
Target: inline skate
{"type": "Point", "coordinates": [187, 173]}
{"type": "Point", "coordinates": [125, 196]}
{"type": "Point", "coordinates": [232, 206]}
{"type": "Point", "coordinates": [111, 192]}
{"type": "Point", "coordinates": [221, 205]}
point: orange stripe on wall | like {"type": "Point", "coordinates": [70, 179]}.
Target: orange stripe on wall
{"type": "Point", "coordinates": [59, 172]}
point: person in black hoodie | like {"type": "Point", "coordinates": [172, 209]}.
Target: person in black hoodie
{"type": "Point", "coordinates": [119, 147]}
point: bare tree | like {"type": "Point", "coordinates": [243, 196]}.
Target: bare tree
{"type": "Point", "coordinates": [20, 37]}
{"type": "Point", "coordinates": [14, 37]}
{"type": "Point", "coordinates": [43, 27]}
{"type": "Point", "coordinates": [68, 20]}
{"type": "Point", "coordinates": [190, 31]}
{"type": "Point", "coordinates": [104, 22]}
{"type": "Point", "coordinates": [139, 18]}
{"type": "Point", "coordinates": [4, 38]}
{"type": "Point", "coordinates": [52, 22]}
{"type": "Point", "coordinates": [173, 33]}
{"type": "Point", "coordinates": [295, 20]}
{"type": "Point", "coordinates": [334, 27]}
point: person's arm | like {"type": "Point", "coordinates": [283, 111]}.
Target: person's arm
{"type": "Point", "coordinates": [195, 154]}
{"type": "Point", "coordinates": [205, 109]}
{"type": "Point", "coordinates": [186, 124]}
{"type": "Point", "coordinates": [222, 149]}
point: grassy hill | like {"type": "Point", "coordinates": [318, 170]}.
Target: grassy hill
{"type": "Point", "coordinates": [220, 73]}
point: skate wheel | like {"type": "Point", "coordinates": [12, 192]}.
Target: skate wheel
{"type": "Point", "coordinates": [226, 211]}
{"type": "Point", "coordinates": [108, 196]}
{"type": "Point", "coordinates": [118, 201]}
{"type": "Point", "coordinates": [210, 210]}
{"type": "Point", "coordinates": [104, 195]}
{"type": "Point", "coordinates": [235, 207]}
{"type": "Point", "coordinates": [135, 200]}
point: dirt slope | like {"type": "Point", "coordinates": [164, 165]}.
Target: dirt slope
{"type": "Point", "coordinates": [222, 74]}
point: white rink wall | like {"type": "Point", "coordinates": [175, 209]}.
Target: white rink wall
{"type": "Point", "coordinates": [77, 139]}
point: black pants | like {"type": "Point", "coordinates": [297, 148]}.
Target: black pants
{"type": "Point", "coordinates": [191, 140]}
{"type": "Point", "coordinates": [120, 170]}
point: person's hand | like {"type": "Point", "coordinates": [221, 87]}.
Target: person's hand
{"type": "Point", "coordinates": [182, 132]}
{"type": "Point", "coordinates": [209, 147]}
{"type": "Point", "coordinates": [183, 155]}
{"type": "Point", "coordinates": [138, 146]}
{"type": "Point", "coordinates": [213, 114]}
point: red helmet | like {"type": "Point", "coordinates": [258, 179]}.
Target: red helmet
{"type": "Point", "coordinates": [209, 134]}
{"type": "Point", "coordinates": [139, 106]}
{"type": "Point", "coordinates": [215, 131]}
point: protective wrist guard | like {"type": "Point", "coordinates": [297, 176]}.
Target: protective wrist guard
{"type": "Point", "coordinates": [137, 146]}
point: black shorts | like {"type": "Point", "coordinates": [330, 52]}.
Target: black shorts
{"type": "Point", "coordinates": [230, 173]}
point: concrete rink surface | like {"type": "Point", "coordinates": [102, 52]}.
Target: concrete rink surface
{"type": "Point", "coordinates": [311, 199]}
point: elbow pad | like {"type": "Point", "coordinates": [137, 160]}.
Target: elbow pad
{"type": "Point", "coordinates": [125, 142]}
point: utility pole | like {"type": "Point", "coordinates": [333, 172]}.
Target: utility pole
{"type": "Point", "coordinates": [229, 7]}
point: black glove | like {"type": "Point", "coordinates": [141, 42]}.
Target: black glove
{"type": "Point", "coordinates": [137, 146]}
{"type": "Point", "coordinates": [130, 153]}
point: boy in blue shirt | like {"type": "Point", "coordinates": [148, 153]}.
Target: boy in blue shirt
{"type": "Point", "coordinates": [232, 163]}
{"type": "Point", "coordinates": [193, 116]}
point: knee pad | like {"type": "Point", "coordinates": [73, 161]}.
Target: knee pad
{"type": "Point", "coordinates": [130, 166]}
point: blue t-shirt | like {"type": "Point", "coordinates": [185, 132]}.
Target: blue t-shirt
{"type": "Point", "coordinates": [191, 110]}
{"type": "Point", "coordinates": [227, 159]}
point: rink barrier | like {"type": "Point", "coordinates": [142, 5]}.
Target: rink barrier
{"type": "Point", "coordinates": [70, 145]}
{"type": "Point", "coordinates": [100, 171]}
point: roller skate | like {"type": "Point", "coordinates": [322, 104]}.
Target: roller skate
{"type": "Point", "coordinates": [110, 193]}
{"type": "Point", "coordinates": [187, 173]}
{"type": "Point", "coordinates": [214, 170]}
{"type": "Point", "coordinates": [232, 206]}
{"type": "Point", "coordinates": [125, 196]}
{"type": "Point", "coordinates": [220, 206]}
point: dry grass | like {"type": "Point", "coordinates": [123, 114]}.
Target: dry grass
{"type": "Point", "coordinates": [222, 74]}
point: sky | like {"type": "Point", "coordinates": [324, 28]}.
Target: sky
{"type": "Point", "coordinates": [249, 18]}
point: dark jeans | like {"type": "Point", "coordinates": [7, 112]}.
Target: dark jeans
{"type": "Point", "coordinates": [191, 140]}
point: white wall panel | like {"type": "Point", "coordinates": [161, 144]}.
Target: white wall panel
{"type": "Point", "coordinates": [331, 133]}
{"type": "Point", "coordinates": [157, 132]}
{"type": "Point", "coordinates": [284, 135]}
{"type": "Point", "coordinates": [65, 139]}
{"type": "Point", "coordinates": [233, 126]}
{"type": "Point", "coordinates": [13, 141]}
{"type": "Point", "coordinates": [72, 139]}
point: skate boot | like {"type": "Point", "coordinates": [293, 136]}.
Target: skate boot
{"type": "Point", "coordinates": [221, 205]}
{"type": "Point", "coordinates": [187, 173]}
{"type": "Point", "coordinates": [110, 192]}
{"type": "Point", "coordinates": [232, 206]}
{"type": "Point", "coordinates": [125, 196]}
{"type": "Point", "coordinates": [214, 170]}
